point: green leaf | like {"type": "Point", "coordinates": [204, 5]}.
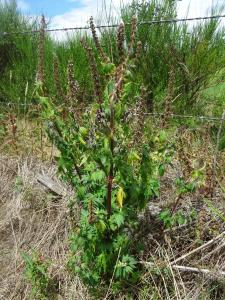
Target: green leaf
{"type": "Point", "coordinates": [162, 136]}
{"type": "Point", "coordinates": [154, 185]}
{"type": "Point", "coordinates": [116, 221]}
{"type": "Point", "coordinates": [28, 260]}
{"type": "Point", "coordinates": [83, 131]}
{"type": "Point", "coordinates": [190, 187]}
{"type": "Point", "coordinates": [110, 87]}
{"type": "Point", "coordinates": [101, 226]}
{"type": "Point", "coordinates": [98, 176]}
{"type": "Point", "coordinates": [125, 267]}
{"type": "Point", "coordinates": [181, 219]}
{"type": "Point", "coordinates": [108, 68]}
{"type": "Point", "coordinates": [102, 262]}
{"type": "Point", "coordinates": [42, 270]}
{"type": "Point", "coordinates": [161, 170]}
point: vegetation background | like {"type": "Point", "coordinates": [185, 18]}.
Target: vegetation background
{"type": "Point", "coordinates": [195, 51]}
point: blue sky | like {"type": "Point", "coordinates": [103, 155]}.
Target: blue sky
{"type": "Point", "coordinates": [56, 8]}
{"type": "Point", "coordinates": [50, 7]}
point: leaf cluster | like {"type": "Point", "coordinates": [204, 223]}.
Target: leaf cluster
{"type": "Point", "coordinates": [36, 271]}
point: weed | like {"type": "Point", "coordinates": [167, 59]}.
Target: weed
{"type": "Point", "coordinates": [178, 218]}
{"type": "Point", "coordinates": [36, 271]}
{"type": "Point", "coordinates": [107, 159]}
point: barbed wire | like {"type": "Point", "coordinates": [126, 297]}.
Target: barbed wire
{"type": "Point", "coordinates": [172, 115]}
{"type": "Point", "coordinates": [16, 104]}
{"type": "Point", "coordinates": [202, 118]}
{"type": "Point", "coordinates": [153, 22]}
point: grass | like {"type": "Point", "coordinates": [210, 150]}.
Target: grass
{"type": "Point", "coordinates": [36, 222]}
{"type": "Point", "coordinates": [196, 54]}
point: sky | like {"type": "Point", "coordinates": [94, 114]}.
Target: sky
{"type": "Point", "coordinates": [72, 13]}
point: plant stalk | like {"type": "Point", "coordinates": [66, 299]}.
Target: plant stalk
{"type": "Point", "coordinates": [111, 171]}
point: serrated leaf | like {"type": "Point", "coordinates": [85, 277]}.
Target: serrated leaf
{"type": "Point", "coordinates": [97, 176]}
{"type": "Point", "coordinates": [116, 221]}
{"type": "Point", "coordinates": [102, 261]}
{"type": "Point", "coordinates": [101, 226]}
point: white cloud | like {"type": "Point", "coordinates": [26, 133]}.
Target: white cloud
{"type": "Point", "coordinates": [77, 17]}
{"type": "Point", "coordinates": [97, 9]}
{"type": "Point", "coordinates": [198, 8]}
{"type": "Point", "coordinates": [195, 8]}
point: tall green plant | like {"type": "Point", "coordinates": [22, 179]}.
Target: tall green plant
{"type": "Point", "coordinates": [16, 53]}
{"type": "Point", "coordinates": [106, 155]}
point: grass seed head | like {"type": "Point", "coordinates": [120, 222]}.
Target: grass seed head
{"type": "Point", "coordinates": [73, 86]}
{"type": "Point", "coordinates": [120, 41]}
{"type": "Point", "coordinates": [41, 52]}
{"type": "Point", "coordinates": [133, 33]}
{"type": "Point", "coordinates": [139, 116]}
{"type": "Point", "coordinates": [139, 50]}
{"type": "Point", "coordinates": [96, 41]}
{"type": "Point", "coordinates": [94, 71]}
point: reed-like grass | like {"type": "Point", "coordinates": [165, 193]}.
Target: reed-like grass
{"type": "Point", "coordinates": [196, 52]}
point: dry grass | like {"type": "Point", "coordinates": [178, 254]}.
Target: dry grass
{"type": "Point", "coordinates": [30, 139]}
{"type": "Point", "coordinates": [31, 219]}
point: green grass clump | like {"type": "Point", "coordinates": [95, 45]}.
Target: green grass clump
{"type": "Point", "coordinates": [194, 53]}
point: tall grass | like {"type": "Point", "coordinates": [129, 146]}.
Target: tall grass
{"type": "Point", "coordinates": [17, 59]}
{"type": "Point", "coordinates": [195, 53]}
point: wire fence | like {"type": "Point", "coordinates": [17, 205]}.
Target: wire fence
{"type": "Point", "coordinates": [202, 118]}
{"type": "Point", "coordinates": [153, 22]}
{"type": "Point", "coordinates": [42, 146]}
{"type": "Point", "coordinates": [158, 114]}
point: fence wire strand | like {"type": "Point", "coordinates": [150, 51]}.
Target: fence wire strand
{"type": "Point", "coordinates": [153, 22]}
{"type": "Point", "coordinates": [157, 114]}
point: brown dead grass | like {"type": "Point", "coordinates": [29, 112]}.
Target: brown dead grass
{"type": "Point", "coordinates": [30, 139]}
{"type": "Point", "coordinates": [32, 220]}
